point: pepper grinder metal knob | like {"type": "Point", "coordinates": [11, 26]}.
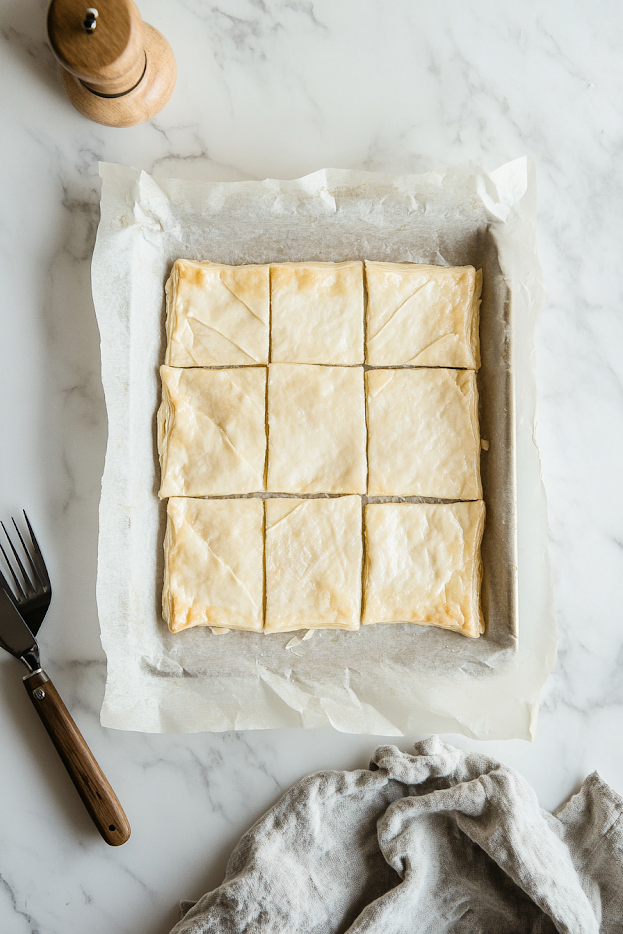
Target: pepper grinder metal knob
{"type": "Point", "coordinates": [116, 69]}
{"type": "Point", "coordinates": [90, 20]}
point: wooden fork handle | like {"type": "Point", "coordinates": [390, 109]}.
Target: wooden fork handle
{"type": "Point", "coordinates": [90, 782]}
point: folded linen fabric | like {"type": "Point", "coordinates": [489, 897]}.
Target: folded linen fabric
{"type": "Point", "coordinates": [440, 842]}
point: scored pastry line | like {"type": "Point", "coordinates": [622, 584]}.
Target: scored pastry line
{"type": "Point", "coordinates": [363, 560]}
{"type": "Point", "coordinates": [365, 400]}
{"type": "Point", "coordinates": [438, 340]}
{"type": "Point", "coordinates": [381, 387]}
{"type": "Point", "coordinates": [424, 500]}
{"type": "Point", "coordinates": [366, 303]}
{"type": "Point", "coordinates": [341, 366]}
{"type": "Point", "coordinates": [269, 360]}
{"type": "Point", "coordinates": [225, 338]}
{"type": "Point", "coordinates": [374, 500]}
{"type": "Point", "coordinates": [310, 568]}
{"type": "Point", "coordinates": [227, 440]}
{"type": "Point", "coordinates": [396, 366]}
{"type": "Point", "coordinates": [250, 310]}
{"type": "Point", "coordinates": [266, 430]}
{"type": "Point", "coordinates": [256, 365]}
{"type": "Point", "coordinates": [365, 416]}
{"type": "Point", "coordinates": [260, 366]}
{"type": "Point", "coordinates": [222, 563]}
{"type": "Point", "coordinates": [364, 323]}
{"type": "Point", "coordinates": [264, 587]}
{"type": "Point", "coordinates": [270, 314]}
{"type": "Point", "coordinates": [287, 515]}
{"type": "Point", "coordinates": [395, 312]}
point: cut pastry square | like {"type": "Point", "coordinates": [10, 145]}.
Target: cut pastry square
{"type": "Point", "coordinates": [316, 429]}
{"type": "Point", "coordinates": [317, 313]}
{"type": "Point", "coordinates": [423, 565]}
{"type": "Point", "coordinates": [423, 433]}
{"type": "Point", "coordinates": [313, 563]}
{"type": "Point", "coordinates": [214, 564]}
{"type": "Point", "coordinates": [217, 315]}
{"type": "Point", "coordinates": [212, 431]}
{"type": "Point", "coordinates": [422, 315]}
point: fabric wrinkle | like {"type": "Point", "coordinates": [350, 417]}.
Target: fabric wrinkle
{"type": "Point", "coordinates": [440, 842]}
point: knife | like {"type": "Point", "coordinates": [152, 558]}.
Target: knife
{"type": "Point", "coordinates": [15, 636]}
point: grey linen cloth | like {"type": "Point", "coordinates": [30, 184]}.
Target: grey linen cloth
{"type": "Point", "coordinates": [441, 842]}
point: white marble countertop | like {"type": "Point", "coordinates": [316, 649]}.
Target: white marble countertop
{"type": "Point", "coordinates": [280, 88]}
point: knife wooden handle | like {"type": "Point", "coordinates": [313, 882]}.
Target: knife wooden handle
{"type": "Point", "coordinates": [90, 782]}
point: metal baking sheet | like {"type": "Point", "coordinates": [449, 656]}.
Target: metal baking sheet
{"type": "Point", "coordinates": [381, 679]}
{"type": "Point", "coordinates": [496, 410]}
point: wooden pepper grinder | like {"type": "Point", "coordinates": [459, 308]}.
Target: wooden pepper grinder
{"type": "Point", "coordinates": [116, 69]}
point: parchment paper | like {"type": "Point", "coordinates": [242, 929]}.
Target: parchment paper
{"type": "Point", "coordinates": [383, 679]}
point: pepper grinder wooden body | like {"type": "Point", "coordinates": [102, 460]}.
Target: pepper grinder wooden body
{"type": "Point", "coordinates": [116, 69]}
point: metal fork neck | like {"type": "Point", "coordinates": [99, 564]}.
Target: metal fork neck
{"type": "Point", "coordinates": [31, 660]}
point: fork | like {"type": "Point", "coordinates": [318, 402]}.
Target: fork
{"type": "Point", "coordinates": [31, 594]}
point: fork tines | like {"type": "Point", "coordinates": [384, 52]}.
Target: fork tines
{"type": "Point", "coordinates": [26, 585]}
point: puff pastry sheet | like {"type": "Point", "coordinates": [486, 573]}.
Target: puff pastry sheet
{"type": "Point", "coordinates": [317, 313]}
{"type": "Point", "coordinates": [423, 433]}
{"type": "Point", "coordinates": [316, 429]}
{"type": "Point", "coordinates": [212, 431]}
{"type": "Point", "coordinates": [214, 564]}
{"type": "Point", "coordinates": [422, 315]}
{"type": "Point", "coordinates": [423, 565]}
{"type": "Point", "coordinates": [217, 315]}
{"type": "Point", "coordinates": [313, 563]}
